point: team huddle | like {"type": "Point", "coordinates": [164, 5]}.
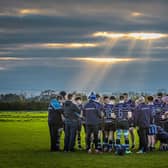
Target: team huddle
{"type": "Point", "coordinates": [106, 120]}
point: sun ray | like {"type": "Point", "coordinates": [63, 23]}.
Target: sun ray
{"type": "Point", "coordinates": [105, 60]}
{"type": "Point", "coordinates": [134, 35]}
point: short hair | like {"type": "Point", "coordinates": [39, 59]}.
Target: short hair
{"type": "Point", "coordinates": [63, 94]}
{"type": "Point", "coordinates": [112, 98]}
{"type": "Point", "coordinates": [150, 98]}
{"type": "Point", "coordinates": [105, 97]}
{"type": "Point", "coordinates": [59, 97]}
{"type": "Point", "coordinates": [125, 94]}
{"type": "Point", "coordinates": [78, 98]}
{"type": "Point", "coordinates": [141, 99]}
{"type": "Point", "coordinates": [69, 96]}
{"type": "Point", "coordinates": [97, 95]}
{"type": "Point", "coordinates": [160, 94]}
{"type": "Point", "coordinates": [121, 97]}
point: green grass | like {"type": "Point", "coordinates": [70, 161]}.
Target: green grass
{"type": "Point", "coordinates": [24, 142]}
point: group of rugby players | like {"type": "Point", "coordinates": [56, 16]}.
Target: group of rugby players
{"type": "Point", "coordinates": [104, 116]}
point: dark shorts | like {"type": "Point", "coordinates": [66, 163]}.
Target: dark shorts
{"type": "Point", "coordinates": [101, 126]}
{"type": "Point", "coordinates": [123, 124]}
{"type": "Point", "coordinates": [110, 127]}
{"type": "Point", "coordinates": [131, 123]}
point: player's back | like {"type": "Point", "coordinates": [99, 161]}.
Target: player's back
{"type": "Point", "coordinates": [92, 112]}
{"type": "Point", "coordinates": [121, 111]}
{"type": "Point", "coordinates": [108, 109]}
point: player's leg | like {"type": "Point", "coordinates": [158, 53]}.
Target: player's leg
{"type": "Point", "coordinates": [118, 138]}
{"type": "Point", "coordinates": [131, 131]}
{"type": "Point", "coordinates": [153, 138]}
{"type": "Point", "coordinates": [100, 132]}
{"type": "Point", "coordinates": [88, 137]}
{"type": "Point", "coordinates": [59, 133]}
{"type": "Point", "coordinates": [73, 130]}
{"type": "Point", "coordinates": [110, 139]}
{"type": "Point", "coordinates": [149, 142]}
{"type": "Point", "coordinates": [79, 136]}
{"type": "Point", "coordinates": [113, 135]}
{"type": "Point", "coordinates": [67, 137]}
{"type": "Point", "coordinates": [105, 138]}
{"type": "Point", "coordinates": [53, 134]}
{"type": "Point", "coordinates": [150, 138]}
{"type": "Point", "coordinates": [105, 142]}
{"type": "Point", "coordinates": [95, 132]}
{"type": "Point", "coordinates": [143, 140]}
{"type": "Point", "coordinates": [153, 142]}
{"type": "Point", "coordinates": [140, 143]}
{"type": "Point", "coordinates": [126, 138]}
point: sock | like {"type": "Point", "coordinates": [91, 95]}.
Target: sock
{"type": "Point", "coordinates": [127, 144]}
{"type": "Point", "coordinates": [99, 147]}
{"type": "Point", "coordinates": [105, 143]}
{"type": "Point", "coordinates": [79, 141]}
{"type": "Point", "coordinates": [118, 144]}
{"type": "Point", "coordinates": [110, 144]}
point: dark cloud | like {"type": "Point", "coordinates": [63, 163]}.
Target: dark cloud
{"type": "Point", "coordinates": [73, 21]}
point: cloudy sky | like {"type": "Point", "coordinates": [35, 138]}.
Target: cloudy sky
{"type": "Point", "coordinates": [83, 45]}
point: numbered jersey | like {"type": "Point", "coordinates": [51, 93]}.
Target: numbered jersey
{"type": "Point", "coordinates": [108, 109]}
{"type": "Point", "coordinates": [121, 111]}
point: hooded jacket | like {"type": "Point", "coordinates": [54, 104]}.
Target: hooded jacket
{"type": "Point", "coordinates": [71, 112]}
{"type": "Point", "coordinates": [54, 113]}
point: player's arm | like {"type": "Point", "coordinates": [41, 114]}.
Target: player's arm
{"type": "Point", "coordinates": [129, 114]}
{"type": "Point", "coordinates": [62, 115]}
{"type": "Point", "coordinates": [136, 116]}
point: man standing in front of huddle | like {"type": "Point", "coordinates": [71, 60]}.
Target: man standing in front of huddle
{"type": "Point", "coordinates": [71, 114]}
{"type": "Point", "coordinates": [143, 119]}
{"type": "Point", "coordinates": [92, 114]}
{"type": "Point", "coordinates": [55, 122]}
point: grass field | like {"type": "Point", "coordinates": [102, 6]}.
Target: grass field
{"type": "Point", "coordinates": [24, 142]}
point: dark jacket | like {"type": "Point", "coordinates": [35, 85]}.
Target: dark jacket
{"type": "Point", "coordinates": [71, 112]}
{"type": "Point", "coordinates": [143, 116]}
{"type": "Point", "coordinates": [92, 113]}
{"type": "Point", "coordinates": [54, 116]}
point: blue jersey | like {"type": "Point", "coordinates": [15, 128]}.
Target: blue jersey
{"type": "Point", "coordinates": [153, 112]}
{"type": "Point", "coordinates": [159, 110]}
{"type": "Point", "coordinates": [121, 111]}
{"type": "Point", "coordinates": [131, 104]}
{"type": "Point", "coordinates": [108, 109]}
